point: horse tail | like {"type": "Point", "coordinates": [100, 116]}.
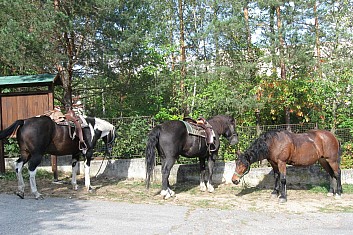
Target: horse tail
{"type": "Point", "coordinates": [11, 129]}
{"type": "Point", "coordinates": [153, 139]}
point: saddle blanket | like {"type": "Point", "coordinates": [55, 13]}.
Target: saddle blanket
{"type": "Point", "coordinates": [195, 130]}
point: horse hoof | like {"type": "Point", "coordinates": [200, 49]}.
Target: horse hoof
{"type": "Point", "coordinates": [210, 188]}
{"type": "Point", "coordinates": [167, 193]}
{"type": "Point", "coordinates": [90, 189]}
{"type": "Point", "coordinates": [75, 187]}
{"type": "Point", "coordinates": [274, 195]}
{"type": "Point", "coordinates": [338, 197]}
{"type": "Point", "coordinates": [203, 187]}
{"type": "Point", "coordinates": [282, 200]}
{"type": "Point", "coordinates": [329, 194]}
{"type": "Point", "coordinates": [39, 197]}
{"type": "Point", "coordinates": [20, 194]}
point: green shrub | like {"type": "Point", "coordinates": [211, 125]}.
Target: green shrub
{"type": "Point", "coordinates": [347, 155]}
{"type": "Point", "coordinates": [11, 148]}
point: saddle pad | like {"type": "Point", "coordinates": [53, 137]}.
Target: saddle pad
{"type": "Point", "coordinates": [194, 130]}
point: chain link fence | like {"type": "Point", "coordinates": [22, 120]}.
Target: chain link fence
{"type": "Point", "coordinates": [132, 135]}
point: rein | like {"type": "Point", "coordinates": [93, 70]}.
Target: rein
{"type": "Point", "coordinates": [109, 146]}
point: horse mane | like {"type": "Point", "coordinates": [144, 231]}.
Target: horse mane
{"type": "Point", "coordinates": [259, 150]}
{"type": "Point", "coordinates": [219, 123]}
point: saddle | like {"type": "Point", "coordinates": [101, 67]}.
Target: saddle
{"type": "Point", "coordinates": [200, 127]}
{"type": "Point", "coordinates": [69, 118]}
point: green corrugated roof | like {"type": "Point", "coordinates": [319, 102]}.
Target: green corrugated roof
{"type": "Point", "coordinates": [26, 79]}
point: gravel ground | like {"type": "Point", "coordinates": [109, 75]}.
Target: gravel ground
{"type": "Point", "coordinates": [126, 207]}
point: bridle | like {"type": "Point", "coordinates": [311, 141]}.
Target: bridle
{"type": "Point", "coordinates": [242, 175]}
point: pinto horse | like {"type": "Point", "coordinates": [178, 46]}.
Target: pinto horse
{"type": "Point", "coordinates": [172, 139]}
{"type": "Point", "coordinates": [281, 147]}
{"type": "Point", "coordinates": [37, 136]}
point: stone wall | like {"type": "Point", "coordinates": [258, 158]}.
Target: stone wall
{"type": "Point", "coordinates": [135, 169]}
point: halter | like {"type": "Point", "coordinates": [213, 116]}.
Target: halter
{"type": "Point", "coordinates": [242, 175]}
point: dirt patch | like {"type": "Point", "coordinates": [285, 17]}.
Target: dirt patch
{"type": "Point", "coordinates": [225, 196]}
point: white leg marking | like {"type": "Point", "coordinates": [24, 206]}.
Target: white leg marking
{"type": "Point", "coordinates": [167, 193]}
{"type": "Point", "coordinates": [74, 176]}
{"type": "Point", "coordinates": [87, 177]}
{"type": "Point", "coordinates": [210, 187]}
{"type": "Point", "coordinates": [21, 183]}
{"type": "Point", "coordinates": [203, 186]}
{"type": "Point", "coordinates": [32, 183]}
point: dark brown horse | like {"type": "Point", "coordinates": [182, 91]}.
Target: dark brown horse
{"type": "Point", "coordinates": [172, 139]}
{"type": "Point", "coordinates": [39, 135]}
{"type": "Point", "coordinates": [281, 147]}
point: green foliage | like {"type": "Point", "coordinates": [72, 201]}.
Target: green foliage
{"type": "Point", "coordinates": [167, 114]}
{"type": "Point", "coordinates": [347, 155]}
{"type": "Point", "coordinates": [11, 148]}
{"type": "Point", "coordinates": [131, 138]}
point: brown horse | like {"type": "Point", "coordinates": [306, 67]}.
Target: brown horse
{"type": "Point", "coordinates": [281, 147]}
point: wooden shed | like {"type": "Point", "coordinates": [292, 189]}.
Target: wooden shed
{"type": "Point", "coordinates": [22, 97]}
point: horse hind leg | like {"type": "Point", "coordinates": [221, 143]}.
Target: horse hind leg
{"type": "Point", "coordinates": [167, 165]}
{"type": "Point", "coordinates": [32, 168]}
{"type": "Point", "coordinates": [21, 184]}
{"type": "Point", "coordinates": [333, 180]}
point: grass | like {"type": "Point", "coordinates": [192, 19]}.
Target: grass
{"type": "Point", "coordinates": [324, 188]}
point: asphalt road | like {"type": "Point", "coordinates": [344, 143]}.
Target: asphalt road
{"type": "Point", "coordinates": [71, 216]}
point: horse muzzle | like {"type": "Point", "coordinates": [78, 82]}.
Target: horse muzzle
{"type": "Point", "coordinates": [236, 178]}
{"type": "Point", "coordinates": [236, 182]}
{"type": "Point", "coordinates": [233, 140]}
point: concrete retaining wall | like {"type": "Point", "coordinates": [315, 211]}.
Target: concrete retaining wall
{"type": "Point", "coordinates": [135, 169]}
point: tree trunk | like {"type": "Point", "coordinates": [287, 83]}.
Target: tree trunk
{"type": "Point", "coordinates": [182, 59]}
{"type": "Point", "coordinates": [281, 59]}
{"type": "Point", "coordinates": [317, 42]}
{"type": "Point", "coordinates": [272, 40]}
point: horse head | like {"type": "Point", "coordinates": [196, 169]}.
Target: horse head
{"type": "Point", "coordinates": [230, 134]}
{"type": "Point", "coordinates": [108, 134]}
{"type": "Point", "coordinates": [225, 126]}
{"type": "Point", "coordinates": [242, 167]}
{"type": "Point", "coordinates": [100, 128]}
{"type": "Point", "coordinates": [109, 140]}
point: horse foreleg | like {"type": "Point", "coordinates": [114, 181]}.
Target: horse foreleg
{"type": "Point", "coordinates": [275, 191]}
{"type": "Point", "coordinates": [211, 163]}
{"type": "Point", "coordinates": [281, 170]}
{"type": "Point", "coordinates": [21, 183]}
{"type": "Point", "coordinates": [74, 174]}
{"type": "Point", "coordinates": [202, 174]}
{"type": "Point", "coordinates": [87, 176]}
{"type": "Point", "coordinates": [283, 188]}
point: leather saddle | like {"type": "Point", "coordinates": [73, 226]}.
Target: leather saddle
{"type": "Point", "coordinates": [69, 119]}
{"type": "Point", "coordinates": [200, 127]}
